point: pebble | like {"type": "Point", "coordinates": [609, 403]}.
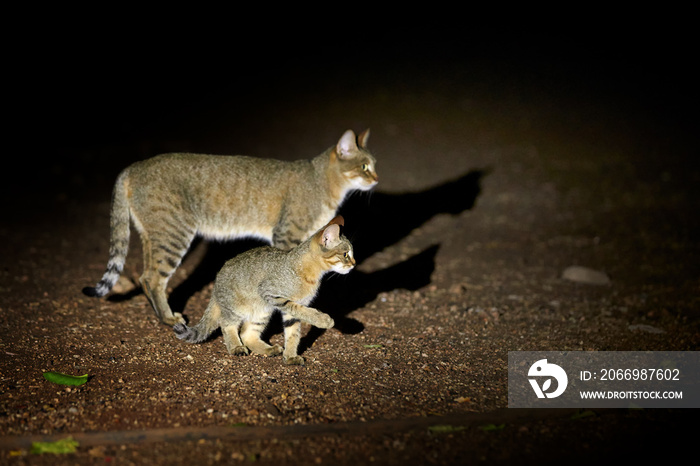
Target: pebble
{"type": "Point", "coordinates": [646, 328]}
{"type": "Point", "coordinates": [579, 274]}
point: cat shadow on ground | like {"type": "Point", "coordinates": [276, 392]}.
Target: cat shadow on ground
{"type": "Point", "coordinates": [375, 222]}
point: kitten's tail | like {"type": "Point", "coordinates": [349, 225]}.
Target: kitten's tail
{"type": "Point", "coordinates": [119, 240]}
{"type": "Point", "coordinates": [195, 334]}
{"type": "Point", "coordinates": [204, 328]}
{"type": "Point", "coordinates": [189, 334]}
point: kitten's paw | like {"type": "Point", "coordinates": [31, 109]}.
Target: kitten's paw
{"type": "Point", "coordinates": [294, 360]}
{"type": "Point", "coordinates": [239, 351]}
{"type": "Point", "coordinates": [325, 321]}
{"type": "Point", "coordinates": [174, 320]}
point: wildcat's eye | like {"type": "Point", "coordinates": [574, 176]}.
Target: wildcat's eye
{"type": "Point", "coordinates": [365, 167]}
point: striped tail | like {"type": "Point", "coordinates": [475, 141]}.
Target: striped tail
{"type": "Point", "coordinates": [191, 334]}
{"type": "Point", "coordinates": [183, 332]}
{"type": "Point", "coordinates": [204, 328]}
{"type": "Point", "coordinates": [119, 240]}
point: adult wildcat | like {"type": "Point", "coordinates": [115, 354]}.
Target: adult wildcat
{"type": "Point", "coordinates": [171, 198]}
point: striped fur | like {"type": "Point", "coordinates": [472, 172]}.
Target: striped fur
{"type": "Point", "coordinates": [172, 198]}
{"type": "Point", "coordinates": [251, 286]}
{"type": "Point", "coordinates": [119, 240]}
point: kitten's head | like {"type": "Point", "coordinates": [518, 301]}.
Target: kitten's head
{"type": "Point", "coordinates": [335, 249]}
{"type": "Point", "coordinates": [356, 163]}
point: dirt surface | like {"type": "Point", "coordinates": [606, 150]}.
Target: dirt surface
{"type": "Point", "coordinates": [495, 176]}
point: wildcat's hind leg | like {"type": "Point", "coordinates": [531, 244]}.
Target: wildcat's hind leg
{"type": "Point", "coordinates": [250, 334]}
{"type": "Point", "coordinates": [161, 257]}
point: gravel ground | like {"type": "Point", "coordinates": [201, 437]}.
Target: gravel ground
{"type": "Point", "coordinates": [494, 178]}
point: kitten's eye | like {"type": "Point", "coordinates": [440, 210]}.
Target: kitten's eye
{"type": "Point", "coordinates": [345, 255]}
{"type": "Point", "coordinates": [365, 167]}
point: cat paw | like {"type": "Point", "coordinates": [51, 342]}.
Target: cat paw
{"type": "Point", "coordinates": [325, 321]}
{"type": "Point", "coordinates": [239, 351]}
{"type": "Point", "coordinates": [174, 320]}
{"type": "Point", "coordinates": [274, 350]}
{"type": "Point", "coordinates": [294, 360]}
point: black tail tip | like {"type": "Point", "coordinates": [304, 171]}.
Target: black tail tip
{"type": "Point", "coordinates": [90, 291]}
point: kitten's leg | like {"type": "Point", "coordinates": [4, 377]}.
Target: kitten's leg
{"type": "Point", "coordinates": [229, 328]}
{"type": "Point", "coordinates": [292, 337]}
{"type": "Point", "coordinates": [303, 313]}
{"type": "Point", "coordinates": [162, 253]}
{"type": "Point", "coordinates": [250, 334]}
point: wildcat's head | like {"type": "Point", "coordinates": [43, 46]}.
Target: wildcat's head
{"type": "Point", "coordinates": [356, 163]}
{"type": "Point", "coordinates": [336, 250]}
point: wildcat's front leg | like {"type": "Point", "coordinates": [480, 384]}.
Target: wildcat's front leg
{"type": "Point", "coordinates": [154, 289]}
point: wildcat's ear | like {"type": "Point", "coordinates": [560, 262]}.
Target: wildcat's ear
{"type": "Point", "coordinates": [330, 235]}
{"type": "Point", "coordinates": [337, 220]}
{"type": "Point", "coordinates": [347, 145]}
{"type": "Point", "coordinates": [362, 138]}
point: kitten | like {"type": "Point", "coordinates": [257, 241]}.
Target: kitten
{"type": "Point", "coordinates": [173, 197]}
{"type": "Point", "coordinates": [253, 284]}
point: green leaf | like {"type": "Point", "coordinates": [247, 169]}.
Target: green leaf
{"type": "Point", "coordinates": [492, 427]}
{"type": "Point", "coordinates": [444, 429]}
{"type": "Point", "coordinates": [239, 424]}
{"type": "Point", "coordinates": [64, 379]}
{"type": "Point", "coordinates": [66, 445]}
{"type": "Point", "coordinates": [373, 346]}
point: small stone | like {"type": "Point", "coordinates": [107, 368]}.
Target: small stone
{"type": "Point", "coordinates": [585, 275]}
{"type": "Point", "coordinates": [457, 289]}
{"type": "Point", "coordinates": [646, 328]}
{"type": "Point", "coordinates": [97, 452]}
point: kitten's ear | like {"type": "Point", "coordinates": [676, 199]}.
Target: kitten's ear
{"type": "Point", "coordinates": [362, 138]}
{"type": "Point", "coordinates": [347, 145]}
{"type": "Point", "coordinates": [331, 232]}
{"type": "Point", "coordinates": [330, 235]}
